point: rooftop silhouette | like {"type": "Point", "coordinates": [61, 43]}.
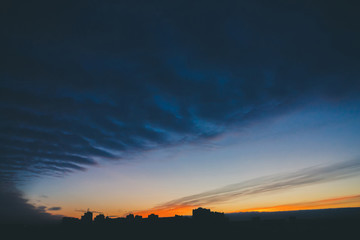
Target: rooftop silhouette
{"type": "Point", "coordinates": [200, 215]}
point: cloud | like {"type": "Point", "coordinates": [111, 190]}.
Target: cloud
{"type": "Point", "coordinates": [41, 208]}
{"type": "Point", "coordinates": [15, 208]}
{"type": "Point", "coordinates": [54, 208]}
{"type": "Point", "coordinates": [98, 81]}
{"type": "Point", "coordinates": [268, 184]}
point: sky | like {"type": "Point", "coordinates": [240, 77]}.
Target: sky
{"type": "Point", "coordinates": [164, 106]}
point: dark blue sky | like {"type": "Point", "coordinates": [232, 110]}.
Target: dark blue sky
{"type": "Point", "coordinates": [89, 80]}
{"type": "Point", "coordinates": [85, 78]}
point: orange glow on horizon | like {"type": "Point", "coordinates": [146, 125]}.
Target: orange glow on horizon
{"type": "Point", "coordinates": [171, 211]}
{"type": "Point", "coordinates": [339, 202]}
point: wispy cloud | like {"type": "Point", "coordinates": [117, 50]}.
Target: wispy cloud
{"type": "Point", "coordinates": [285, 181]}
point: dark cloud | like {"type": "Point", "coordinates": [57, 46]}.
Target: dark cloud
{"type": "Point", "coordinates": [88, 80]}
{"type": "Point", "coordinates": [41, 208]}
{"type": "Point", "coordinates": [14, 208]}
{"type": "Point", "coordinates": [279, 182]}
{"type": "Point", "coordinates": [54, 208]}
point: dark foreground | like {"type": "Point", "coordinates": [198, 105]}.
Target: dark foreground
{"type": "Point", "coordinates": [341, 228]}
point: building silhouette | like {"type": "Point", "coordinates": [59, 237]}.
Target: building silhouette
{"type": "Point", "coordinates": [153, 218]}
{"type": "Point", "coordinates": [138, 218]}
{"type": "Point", "coordinates": [205, 215]}
{"type": "Point", "coordinates": [87, 217]}
{"type": "Point", "coordinates": [130, 217]}
{"type": "Point", "coordinates": [99, 218]}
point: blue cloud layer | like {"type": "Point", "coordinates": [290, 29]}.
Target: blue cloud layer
{"type": "Point", "coordinates": [89, 80]}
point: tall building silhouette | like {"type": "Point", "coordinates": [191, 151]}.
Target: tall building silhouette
{"type": "Point", "coordinates": [87, 217]}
